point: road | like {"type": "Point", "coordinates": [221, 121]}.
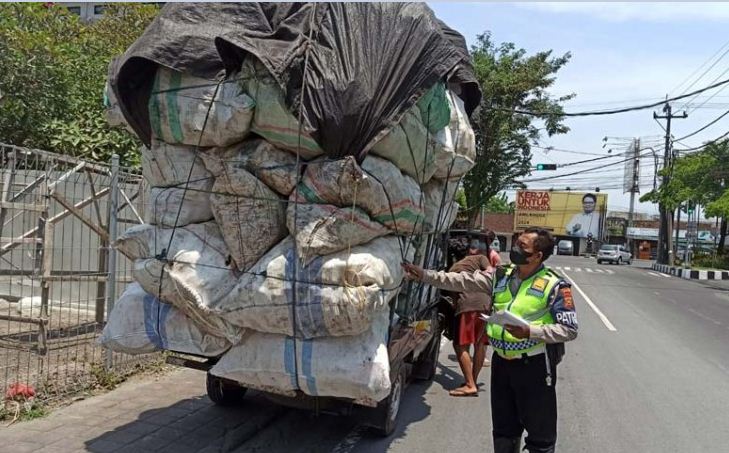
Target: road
{"type": "Point", "coordinates": [651, 375]}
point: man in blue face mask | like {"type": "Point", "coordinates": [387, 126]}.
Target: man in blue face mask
{"type": "Point", "coordinates": [524, 363]}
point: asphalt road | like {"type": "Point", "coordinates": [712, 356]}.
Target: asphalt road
{"type": "Point", "coordinates": [650, 374]}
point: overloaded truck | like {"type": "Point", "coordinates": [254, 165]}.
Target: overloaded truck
{"type": "Point", "coordinates": [296, 155]}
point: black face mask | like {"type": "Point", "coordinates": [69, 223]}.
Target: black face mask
{"type": "Point", "coordinates": [518, 256]}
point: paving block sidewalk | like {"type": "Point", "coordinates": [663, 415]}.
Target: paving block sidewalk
{"type": "Point", "coordinates": [168, 413]}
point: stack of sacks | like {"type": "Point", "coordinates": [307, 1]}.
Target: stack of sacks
{"type": "Point", "coordinates": [302, 253]}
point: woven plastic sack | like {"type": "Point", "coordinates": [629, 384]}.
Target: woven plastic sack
{"type": "Point", "coordinates": [440, 208]}
{"type": "Point", "coordinates": [166, 165]}
{"type": "Point", "coordinates": [276, 168]}
{"type": "Point", "coordinates": [140, 323]}
{"type": "Point", "coordinates": [334, 295]}
{"type": "Point", "coordinates": [272, 120]}
{"type": "Point", "coordinates": [356, 367]}
{"type": "Point", "coordinates": [378, 187]}
{"type": "Point", "coordinates": [457, 155]}
{"type": "Point", "coordinates": [181, 205]}
{"type": "Point", "coordinates": [252, 217]}
{"type": "Point", "coordinates": [193, 272]}
{"type": "Point", "coordinates": [189, 110]}
{"type": "Point", "coordinates": [322, 229]}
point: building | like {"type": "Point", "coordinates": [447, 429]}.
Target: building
{"type": "Point", "coordinates": [500, 223]}
{"type": "Point", "coordinates": [88, 11]}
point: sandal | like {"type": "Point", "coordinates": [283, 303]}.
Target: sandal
{"type": "Point", "coordinates": [457, 392]}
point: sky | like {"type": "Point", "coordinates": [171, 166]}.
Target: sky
{"type": "Point", "coordinates": [623, 54]}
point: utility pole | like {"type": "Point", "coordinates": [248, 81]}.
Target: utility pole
{"type": "Point", "coordinates": [634, 188]}
{"type": "Point", "coordinates": [664, 233]}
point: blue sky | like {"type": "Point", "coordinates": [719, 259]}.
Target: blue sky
{"type": "Point", "coordinates": [623, 54]}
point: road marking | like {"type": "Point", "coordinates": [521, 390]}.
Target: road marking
{"type": "Point", "coordinates": [599, 271]}
{"type": "Point", "coordinates": [350, 441]}
{"type": "Point", "coordinates": [566, 268]}
{"type": "Point", "coordinates": [703, 316]}
{"type": "Point", "coordinates": [588, 270]}
{"type": "Point", "coordinates": [577, 269]}
{"type": "Point", "coordinates": [592, 305]}
{"type": "Point", "coordinates": [653, 274]}
{"type": "Point", "coordinates": [609, 271]}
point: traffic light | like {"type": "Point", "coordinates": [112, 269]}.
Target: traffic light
{"type": "Point", "coordinates": [546, 167]}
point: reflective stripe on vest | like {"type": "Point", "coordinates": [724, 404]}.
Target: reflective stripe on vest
{"type": "Point", "coordinates": [531, 303]}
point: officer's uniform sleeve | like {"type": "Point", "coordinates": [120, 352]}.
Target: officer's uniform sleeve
{"type": "Point", "coordinates": [562, 307]}
{"type": "Point", "coordinates": [461, 282]}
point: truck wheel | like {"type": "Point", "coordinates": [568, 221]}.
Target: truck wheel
{"type": "Point", "coordinates": [425, 367]}
{"type": "Point", "coordinates": [386, 413]}
{"type": "Point", "coordinates": [224, 392]}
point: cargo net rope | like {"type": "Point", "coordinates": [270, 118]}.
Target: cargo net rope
{"type": "Point", "coordinates": [260, 246]}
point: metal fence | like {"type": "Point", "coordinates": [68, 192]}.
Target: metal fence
{"type": "Point", "coordinates": [58, 275]}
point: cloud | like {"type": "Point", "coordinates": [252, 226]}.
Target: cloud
{"type": "Point", "coordinates": [647, 12]}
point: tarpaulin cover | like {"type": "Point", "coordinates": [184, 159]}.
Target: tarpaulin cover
{"type": "Point", "coordinates": [350, 69]}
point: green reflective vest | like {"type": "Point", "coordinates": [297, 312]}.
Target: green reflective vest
{"type": "Point", "coordinates": [531, 302]}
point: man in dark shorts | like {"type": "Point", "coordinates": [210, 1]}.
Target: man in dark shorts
{"type": "Point", "coordinates": [469, 327]}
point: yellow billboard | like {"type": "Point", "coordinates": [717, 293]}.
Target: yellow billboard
{"type": "Point", "coordinates": [576, 214]}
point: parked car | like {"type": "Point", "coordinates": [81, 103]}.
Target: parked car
{"type": "Point", "coordinates": [565, 247]}
{"type": "Point", "coordinates": [612, 253]}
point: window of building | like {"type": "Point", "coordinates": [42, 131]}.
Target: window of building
{"type": "Point", "coordinates": [74, 10]}
{"type": "Point", "coordinates": [99, 9]}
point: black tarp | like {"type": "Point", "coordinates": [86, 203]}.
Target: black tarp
{"type": "Point", "coordinates": [350, 69]}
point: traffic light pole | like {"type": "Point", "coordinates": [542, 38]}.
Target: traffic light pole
{"type": "Point", "coordinates": [664, 233]}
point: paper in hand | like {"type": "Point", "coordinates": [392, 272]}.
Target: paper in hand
{"type": "Point", "coordinates": [503, 318]}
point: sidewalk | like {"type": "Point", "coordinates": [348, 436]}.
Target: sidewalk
{"type": "Point", "coordinates": [170, 413]}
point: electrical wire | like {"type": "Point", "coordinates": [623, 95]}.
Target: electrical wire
{"type": "Point", "coordinates": [613, 111]}
{"type": "Point", "coordinates": [580, 171]}
{"type": "Point", "coordinates": [703, 128]}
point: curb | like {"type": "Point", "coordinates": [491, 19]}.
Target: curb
{"type": "Point", "coordinates": [690, 274]}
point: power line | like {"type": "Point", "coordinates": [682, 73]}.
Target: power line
{"type": "Point", "coordinates": [614, 111]}
{"type": "Point", "coordinates": [697, 148]}
{"type": "Point", "coordinates": [703, 128]}
{"type": "Point", "coordinates": [700, 67]}
{"type": "Point", "coordinates": [578, 172]}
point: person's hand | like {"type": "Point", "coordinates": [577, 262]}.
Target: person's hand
{"type": "Point", "coordinates": [521, 332]}
{"type": "Point", "coordinates": [577, 227]}
{"type": "Point", "coordinates": [413, 272]}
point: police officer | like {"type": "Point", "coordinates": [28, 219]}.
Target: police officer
{"type": "Point", "coordinates": [524, 363]}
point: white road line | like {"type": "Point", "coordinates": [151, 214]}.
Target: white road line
{"type": "Point", "coordinates": [653, 274]}
{"type": "Point", "coordinates": [609, 271]}
{"type": "Point", "coordinates": [599, 271]}
{"type": "Point", "coordinates": [664, 275]}
{"type": "Point", "coordinates": [589, 270]}
{"type": "Point", "coordinates": [592, 305]}
{"type": "Point", "coordinates": [566, 268]}
{"type": "Point", "coordinates": [577, 269]}
{"type": "Point", "coordinates": [350, 441]}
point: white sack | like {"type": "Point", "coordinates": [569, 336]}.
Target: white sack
{"type": "Point", "coordinates": [355, 367]}
{"type": "Point", "coordinates": [166, 165]}
{"type": "Point", "coordinates": [189, 110]}
{"type": "Point", "coordinates": [457, 155]}
{"type": "Point", "coordinates": [164, 204]}
{"type": "Point", "coordinates": [276, 168]}
{"type": "Point", "coordinates": [335, 295]}
{"type": "Point", "coordinates": [198, 272]}
{"type": "Point", "coordinates": [377, 186]}
{"type": "Point", "coordinates": [322, 229]}
{"type": "Point", "coordinates": [252, 218]}
{"type": "Point", "coordinates": [440, 208]}
{"type": "Point", "coordinates": [140, 323]}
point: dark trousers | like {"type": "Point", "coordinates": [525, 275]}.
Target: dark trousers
{"type": "Point", "coordinates": [522, 400]}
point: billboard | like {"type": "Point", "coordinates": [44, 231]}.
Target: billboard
{"type": "Point", "coordinates": [575, 214]}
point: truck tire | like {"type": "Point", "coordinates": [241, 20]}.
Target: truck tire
{"type": "Point", "coordinates": [385, 414]}
{"type": "Point", "coordinates": [224, 392]}
{"type": "Point", "coordinates": [426, 365]}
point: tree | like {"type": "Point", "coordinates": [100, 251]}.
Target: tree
{"type": "Point", "coordinates": [510, 79]}
{"type": "Point", "coordinates": [53, 69]}
{"type": "Point", "coordinates": [700, 178]}
{"type": "Point", "coordinates": [499, 203]}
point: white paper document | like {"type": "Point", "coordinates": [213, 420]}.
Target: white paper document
{"type": "Point", "coordinates": [503, 318]}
